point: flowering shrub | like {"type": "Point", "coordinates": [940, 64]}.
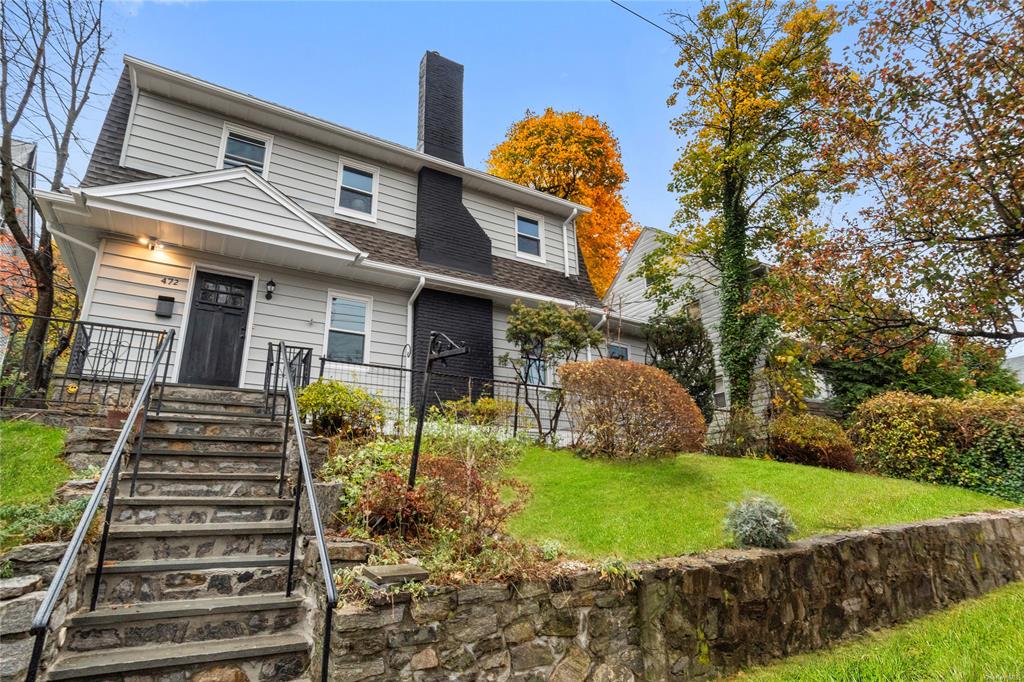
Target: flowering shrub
{"type": "Point", "coordinates": [336, 408]}
{"type": "Point", "coordinates": [810, 439]}
{"type": "Point", "coordinates": [975, 443]}
{"type": "Point", "coordinates": [627, 410]}
{"type": "Point", "coordinates": [759, 522]}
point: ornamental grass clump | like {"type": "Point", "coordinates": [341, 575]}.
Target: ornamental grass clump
{"type": "Point", "coordinates": [626, 410]}
{"type": "Point", "coordinates": [759, 522]}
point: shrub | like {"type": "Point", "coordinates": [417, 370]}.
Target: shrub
{"type": "Point", "coordinates": [24, 523]}
{"type": "Point", "coordinates": [387, 505]}
{"type": "Point", "coordinates": [810, 439]}
{"type": "Point", "coordinates": [742, 435]}
{"type": "Point", "coordinates": [624, 409]}
{"type": "Point", "coordinates": [975, 443]}
{"type": "Point", "coordinates": [485, 411]}
{"type": "Point", "coordinates": [336, 408]}
{"type": "Point", "coordinates": [680, 345]}
{"type": "Point", "coordinates": [759, 522]}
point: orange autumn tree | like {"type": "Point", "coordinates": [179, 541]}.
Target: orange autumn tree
{"type": "Point", "coordinates": [575, 157]}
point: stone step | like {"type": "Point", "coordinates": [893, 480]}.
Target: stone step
{"type": "Point", "coordinates": [201, 484]}
{"type": "Point", "coordinates": [132, 542]}
{"type": "Point", "coordinates": [202, 408]}
{"type": "Point", "coordinates": [127, 582]}
{"type": "Point", "coordinates": [210, 462]}
{"type": "Point", "coordinates": [252, 397]}
{"type": "Point", "coordinates": [234, 427]}
{"type": "Point", "coordinates": [150, 510]}
{"type": "Point", "coordinates": [268, 658]}
{"type": "Point", "coordinates": [183, 442]}
{"type": "Point", "coordinates": [175, 622]}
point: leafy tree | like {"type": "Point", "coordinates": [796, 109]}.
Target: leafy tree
{"type": "Point", "coordinates": [680, 345]}
{"type": "Point", "coordinates": [933, 369]}
{"type": "Point", "coordinates": [749, 163]}
{"type": "Point", "coordinates": [575, 157]}
{"type": "Point", "coordinates": [926, 122]}
{"type": "Point", "coordinates": [546, 336]}
{"type": "Point", "coordinates": [50, 53]}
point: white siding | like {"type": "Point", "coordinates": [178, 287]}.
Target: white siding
{"type": "Point", "coordinates": [130, 277]}
{"type": "Point", "coordinates": [171, 138]}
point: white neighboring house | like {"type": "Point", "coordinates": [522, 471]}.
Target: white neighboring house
{"type": "Point", "coordinates": [627, 298]}
{"type": "Point", "coordinates": [240, 223]}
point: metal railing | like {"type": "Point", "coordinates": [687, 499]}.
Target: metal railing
{"type": "Point", "coordinates": [108, 478]}
{"type": "Point", "coordinates": [300, 356]}
{"type": "Point", "coordinates": [49, 360]}
{"type": "Point", "coordinates": [292, 368]}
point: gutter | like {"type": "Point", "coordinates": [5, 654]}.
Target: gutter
{"type": "Point", "coordinates": [565, 238]}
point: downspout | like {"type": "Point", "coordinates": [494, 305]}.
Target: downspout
{"type": "Point", "coordinates": [565, 239]}
{"type": "Point", "coordinates": [407, 398]}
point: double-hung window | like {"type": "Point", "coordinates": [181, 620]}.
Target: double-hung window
{"type": "Point", "coordinates": [357, 190]}
{"type": "Point", "coordinates": [616, 351]}
{"type": "Point", "coordinates": [529, 241]}
{"type": "Point", "coordinates": [245, 147]}
{"type": "Point", "coordinates": [348, 328]}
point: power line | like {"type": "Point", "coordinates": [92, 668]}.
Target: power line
{"type": "Point", "coordinates": [643, 18]}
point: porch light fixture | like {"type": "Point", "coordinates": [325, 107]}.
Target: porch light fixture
{"type": "Point", "coordinates": [152, 243]}
{"type": "Point", "coordinates": [271, 286]}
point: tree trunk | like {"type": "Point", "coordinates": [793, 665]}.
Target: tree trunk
{"type": "Point", "coordinates": [738, 332]}
{"type": "Point", "coordinates": [37, 372]}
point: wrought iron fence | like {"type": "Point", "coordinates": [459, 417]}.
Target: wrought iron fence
{"type": "Point", "coordinates": [398, 386]}
{"type": "Point", "coordinates": [48, 360]}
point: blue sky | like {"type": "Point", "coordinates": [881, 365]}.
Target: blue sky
{"type": "Point", "coordinates": [357, 64]}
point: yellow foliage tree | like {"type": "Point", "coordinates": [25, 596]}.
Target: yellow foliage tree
{"type": "Point", "coordinates": [576, 157]}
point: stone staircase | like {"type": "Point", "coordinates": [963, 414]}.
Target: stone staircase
{"type": "Point", "coordinates": [193, 587]}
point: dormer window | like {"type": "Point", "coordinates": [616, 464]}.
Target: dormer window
{"type": "Point", "coordinates": [529, 242]}
{"type": "Point", "coordinates": [357, 190]}
{"type": "Point", "coordinates": [245, 147]}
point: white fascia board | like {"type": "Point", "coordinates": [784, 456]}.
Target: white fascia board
{"type": "Point", "coordinates": [416, 158]}
{"type": "Point", "coordinates": [210, 177]}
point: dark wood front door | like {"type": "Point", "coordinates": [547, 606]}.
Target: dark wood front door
{"type": "Point", "coordinates": [215, 339]}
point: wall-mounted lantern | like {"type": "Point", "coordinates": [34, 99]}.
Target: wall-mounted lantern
{"type": "Point", "coordinates": [271, 286]}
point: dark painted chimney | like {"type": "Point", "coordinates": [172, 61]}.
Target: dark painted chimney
{"type": "Point", "coordinates": [440, 120]}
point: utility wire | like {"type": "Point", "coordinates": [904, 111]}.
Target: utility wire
{"type": "Point", "coordinates": [643, 18]}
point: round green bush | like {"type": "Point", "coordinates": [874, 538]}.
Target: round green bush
{"type": "Point", "coordinates": [335, 408]}
{"type": "Point", "coordinates": [809, 439]}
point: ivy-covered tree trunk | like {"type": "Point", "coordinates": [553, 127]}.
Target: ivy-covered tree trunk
{"type": "Point", "coordinates": [738, 332]}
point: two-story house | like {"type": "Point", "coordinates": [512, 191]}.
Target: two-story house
{"type": "Point", "coordinates": [238, 222]}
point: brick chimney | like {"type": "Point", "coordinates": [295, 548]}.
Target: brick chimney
{"type": "Point", "coordinates": [440, 121]}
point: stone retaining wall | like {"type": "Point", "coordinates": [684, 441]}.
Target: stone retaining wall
{"type": "Point", "coordinates": [689, 618]}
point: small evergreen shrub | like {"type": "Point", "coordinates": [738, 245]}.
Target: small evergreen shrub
{"type": "Point", "coordinates": [809, 439]}
{"type": "Point", "coordinates": [742, 436]}
{"type": "Point", "coordinates": [975, 443]}
{"type": "Point", "coordinates": [759, 522]}
{"type": "Point", "coordinates": [626, 410]}
{"type": "Point", "coordinates": [336, 408]}
{"type": "Point", "coordinates": [25, 523]}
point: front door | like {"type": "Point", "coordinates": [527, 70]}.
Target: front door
{"type": "Point", "coordinates": [215, 339]}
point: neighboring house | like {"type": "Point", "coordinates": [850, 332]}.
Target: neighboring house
{"type": "Point", "coordinates": [627, 298]}
{"type": "Point", "coordinates": [1015, 365]}
{"type": "Point", "coordinates": [239, 223]}
{"type": "Point", "coordinates": [15, 277]}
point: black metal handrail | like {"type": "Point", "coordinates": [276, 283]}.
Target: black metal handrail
{"type": "Point", "coordinates": [41, 621]}
{"type": "Point", "coordinates": [305, 478]}
{"type": "Point", "coordinates": [301, 355]}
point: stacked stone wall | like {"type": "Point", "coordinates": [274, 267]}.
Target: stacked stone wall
{"type": "Point", "coordinates": [690, 618]}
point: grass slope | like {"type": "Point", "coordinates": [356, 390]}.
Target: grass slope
{"type": "Point", "coordinates": [667, 507]}
{"type": "Point", "coordinates": [30, 465]}
{"type": "Point", "coordinates": [981, 639]}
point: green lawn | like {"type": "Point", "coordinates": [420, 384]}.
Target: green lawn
{"type": "Point", "coordinates": [981, 639]}
{"type": "Point", "coordinates": [667, 507]}
{"type": "Point", "coordinates": [30, 465]}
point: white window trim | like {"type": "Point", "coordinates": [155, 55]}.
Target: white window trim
{"type": "Point", "coordinates": [367, 325]}
{"type": "Point", "coordinates": [267, 139]}
{"type": "Point", "coordinates": [516, 213]}
{"type": "Point", "coordinates": [618, 345]}
{"type": "Point", "coordinates": [370, 217]}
